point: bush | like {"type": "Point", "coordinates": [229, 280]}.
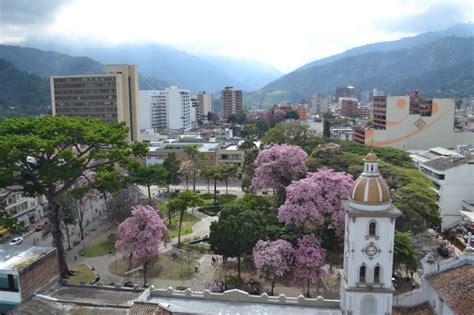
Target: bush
{"type": "Point", "coordinates": [210, 210]}
{"type": "Point", "coordinates": [226, 198]}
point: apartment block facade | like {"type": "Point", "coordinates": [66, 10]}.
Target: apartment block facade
{"type": "Point", "coordinates": [166, 109]}
{"type": "Point", "coordinates": [110, 97]}
{"type": "Point", "coordinates": [319, 103]}
{"type": "Point", "coordinates": [26, 210]}
{"type": "Point", "coordinates": [349, 108]}
{"type": "Point", "coordinates": [231, 101]}
{"type": "Point", "coordinates": [204, 104]}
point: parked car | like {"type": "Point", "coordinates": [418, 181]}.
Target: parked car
{"type": "Point", "coordinates": [16, 241]}
{"type": "Point", "coordinates": [42, 226]}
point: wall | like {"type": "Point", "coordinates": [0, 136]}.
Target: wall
{"type": "Point", "coordinates": [241, 296]}
{"type": "Point", "coordinates": [402, 132]}
{"type": "Point", "coordinates": [38, 274]}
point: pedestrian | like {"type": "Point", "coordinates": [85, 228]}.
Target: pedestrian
{"type": "Point", "coordinates": [213, 260]}
{"type": "Point", "coordinates": [75, 258]}
{"type": "Point", "coordinates": [110, 252]}
{"type": "Point", "coordinates": [413, 285]}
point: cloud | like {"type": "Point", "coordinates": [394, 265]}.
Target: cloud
{"type": "Point", "coordinates": [28, 12]}
{"type": "Point", "coordinates": [434, 17]}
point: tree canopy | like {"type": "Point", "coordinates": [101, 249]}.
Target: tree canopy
{"type": "Point", "coordinates": [46, 155]}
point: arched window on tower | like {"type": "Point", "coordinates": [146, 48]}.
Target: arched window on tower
{"type": "Point", "coordinates": [377, 274]}
{"type": "Point", "coordinates": [373, 228]}
{"type": "Point", "coordinates": [362, 274]}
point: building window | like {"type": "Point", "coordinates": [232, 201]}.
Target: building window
{"type": "Point", "coordinates": [362, 274]}
{"type": "Point", "coordinates": [377, 274]}
{"type": "Point", "coordinates": [372, 228]}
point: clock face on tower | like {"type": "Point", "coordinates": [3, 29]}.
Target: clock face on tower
{"type": "Point", "coordinates": [371, 250]}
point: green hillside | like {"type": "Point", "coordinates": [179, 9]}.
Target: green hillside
{"type": "Point", "coordinates": [439, 68]}
{"type": "Point", "coordinates": [21, 93]}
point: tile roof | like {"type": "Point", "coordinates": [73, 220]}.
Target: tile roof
{"type": "Point", "coordinates": [456, 288]}
{"type": "Point", "coordinates": [422, 309]}
{"type": "Point", "coordinates": [142, 308]}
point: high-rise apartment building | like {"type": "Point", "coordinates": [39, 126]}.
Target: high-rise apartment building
{"type": "Point", "coordinates": [166, 109]}
{"type": "Point", "coordinates": [204, 103]}
{"type": "Point", "coordinates": [319, 103]}
{"type": "Point", "coordinates": [231, 101]}
{"type": "Point", "coordinates": [110, 97]}
{"type": "Point", "coordinates": [346, 91]}
{"type": "Point", "coordinates": [349, 108]}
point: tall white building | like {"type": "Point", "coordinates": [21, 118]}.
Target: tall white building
{"type": "Point", "coordinates": [366, 282]}
{"type": "Point", "coordinates": [166, 109]}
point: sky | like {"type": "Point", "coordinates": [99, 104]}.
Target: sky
{"type": "Point", "coordinates": [283, 33]}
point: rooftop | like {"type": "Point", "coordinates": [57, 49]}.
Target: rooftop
{"type": "Point", "coordinates": [445, 163]}
{"type": "Point", "coordinates": [456, 288]}
{"type": "Point", "coordinates": [196, 306]}
{"type": "Point", "coordinates": [16, 257]}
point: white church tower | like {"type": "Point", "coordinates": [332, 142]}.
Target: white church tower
{"type": "Point", "coordinates": [366, 282]}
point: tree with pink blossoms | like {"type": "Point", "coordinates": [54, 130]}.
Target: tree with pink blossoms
{"type": "Point", "coordinates": [273, 259]}
{"type": "Point", "coordinates": [277, 166]}
{"type": "Point", "coordinates": [309, 257]}
{"type": "Point", "coordinates": [315, 202]}
{"type": "Point", "coordinates": [140, 237]}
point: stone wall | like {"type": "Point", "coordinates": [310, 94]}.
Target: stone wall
{"type": "Point", "coordinates": [39, 275]}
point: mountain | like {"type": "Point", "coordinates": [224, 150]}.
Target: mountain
{"type": "Point", "coordinates": [46, 63]}
{"type": "Point", "coordinates": [177, 67]}
{"type": "Point", "coordinates": [22, 93]}
{"type": "Point", "coordinates": [458, 30]}
{"type": "Point", "coordinates": [439, 68]}
{"type": "Point", "coordinates": [251, 74]}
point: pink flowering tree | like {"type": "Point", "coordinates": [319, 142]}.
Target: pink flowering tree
{"type": "Point", "coordinates": [83, 191]}
{"type": "Point", "coordinates": [315, 202]}
{"type": "Point", "coordinates": [277, 166]}
{"type": "Point", "coordinates": [309, 257]}
{"type": "Point", "coordinates": [273, 259]}
{"type": "Point", "coordinates": [140, 237]}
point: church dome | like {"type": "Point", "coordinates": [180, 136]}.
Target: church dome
{"type": "Point", "coordinates": [370, 190]}
{"type": "Point", "coordinates": [371, 157]}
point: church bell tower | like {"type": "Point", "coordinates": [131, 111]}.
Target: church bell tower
{"type": "Point", "coordinates": [366, 281]}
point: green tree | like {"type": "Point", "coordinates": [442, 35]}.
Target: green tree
{"type": "Point", "coordinates": [46, 155]}
{"type": "Point", "coordinates": [236, 232]}
{"type": "Point", "coordinates": [294, 133]}
{"type": "Point", "coordinates": [150, 175]}
{"type": "Point", "coordinates": [108, 181]}
{"type": "Point", "coordinates": [292, 115]}
{"type": "Point", "coordinates": [326, 128]}
{"type": "Point", "coordinates": [404, 252]}
{"type": "Point", "coordinates": [196, 157]}
{"type": "Point", "coordinates": [172, 164]}
{"type": "Point", "coordinates": [69, 214]}
{"type": "Point", "coordinates": [227, 171]}
{"type": "Point", "coordinates": [181, 203]}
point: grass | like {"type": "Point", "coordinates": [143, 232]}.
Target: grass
{"type": "Point", "coordinates": [81, 273]}
{"type": "Point", "coordinates": [100, 247]}
{"type": "Point", "coordinates": [163, 267]}
{"type": "Point", "coordinates": [186, 228]}
{"type": "Point", "coordinates": [210, 210]}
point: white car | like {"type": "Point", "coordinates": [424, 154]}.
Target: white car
{"type": "Point", "coordinates": [16, 241]}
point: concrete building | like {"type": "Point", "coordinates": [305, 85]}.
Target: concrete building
{"type": "Point", "coordinates": [319, 103]}
{"type": "Point", "coordinates": [26, 210]}
{"type": "Point", "coordinates": [204, 104]}
{"type": "Point", "coordinates": [110, 97]}
{"type": "Point", "coordinates": [349, 108]}
{"type": "Point", "coordinates": [410, 123]}
{"type": "Point", "coordinates": [24, 271]}
{"type": "Point", "coordinates": [454, 178]}
{"type": "Point", "coordinates": [167, 109]}
{"type": "Point", "coordinates": [346, 91]}
{"type": "Point", "coordinates": [231, 101]}
{"type": "Point", "coordinates": [366, 281]}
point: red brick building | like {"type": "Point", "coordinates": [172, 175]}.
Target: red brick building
{"type": "Point", "coordinates": [231, 101]}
